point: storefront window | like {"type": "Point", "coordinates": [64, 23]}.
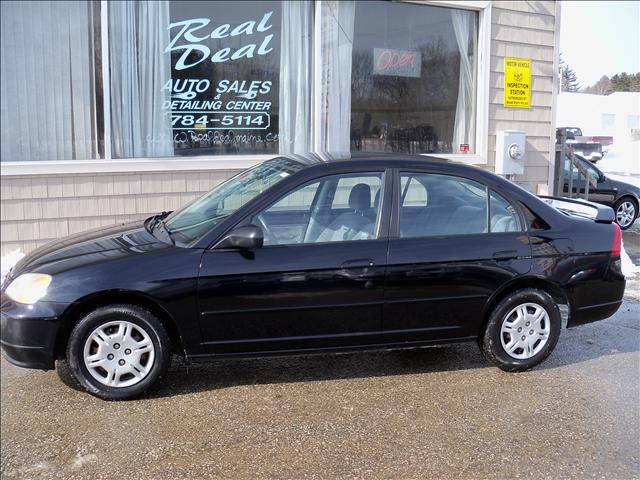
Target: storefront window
{"type": "Point", "coordinates": [48, 98]}
{"type": "Point", "coordinates": [204, 78]}
{"type": "Point", "coordinates": [193, 78]}
{"type": "Point", "coordinates": [413, 78]}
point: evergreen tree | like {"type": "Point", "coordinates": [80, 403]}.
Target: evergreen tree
{"type": "Point", "coordinates": [624, 82]}
{"type": "Point", "coordinates": [568, 78]}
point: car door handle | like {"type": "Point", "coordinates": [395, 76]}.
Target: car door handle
{"type": "Point", "coordinates": [505, 255]}
{"type": "Point", "coordinates": [357, 263]}
{"type": "Point", "coordinates": [358, 268]}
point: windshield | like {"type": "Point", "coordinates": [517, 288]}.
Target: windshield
{"type": "Point", "coordinates": [195, 219]}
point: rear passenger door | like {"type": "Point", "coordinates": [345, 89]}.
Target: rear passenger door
{"type": "Point", "coordinates": [454, 242]}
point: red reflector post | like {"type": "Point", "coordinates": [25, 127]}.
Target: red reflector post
{"type": "Point", "coordinates": [617, 241]}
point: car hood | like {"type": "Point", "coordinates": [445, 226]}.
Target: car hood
{"type": "Point", "coordinates": [99, 243]}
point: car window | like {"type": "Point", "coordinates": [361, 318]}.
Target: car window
{"type": "Point", "coordinates": [346, 184]}
{"type": "Point", "coordinates": [448, 205]}
{"type": "Point", "coordinates": [335, 208]}
{"type": "Point", "coordinates": [577, 173]}
{"type": "Point", "coordinates": [413, 192]}
{"type": "Point", "coordinates": [299, 200]}
{"type": "Point", "coordinates": [533, 221]}
{"type": "Point", "coordinates": [503, 216]}
{"type": "Point", "coordinates": [198, 217]}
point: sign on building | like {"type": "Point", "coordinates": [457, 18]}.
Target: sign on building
{"type": "Point", "coordinates": [399, 63]}
{"type": "Point", "coordinates": [517, 82]}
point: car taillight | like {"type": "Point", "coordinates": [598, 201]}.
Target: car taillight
{"type": "Point", "coordinates": [617, 241]}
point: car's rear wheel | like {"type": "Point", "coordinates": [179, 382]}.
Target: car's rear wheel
{"type": "Point", "coordinates": [522, 331]}
{"type": "Point", "coordinates": [626, 212]}
{"type": "Point", "coordinates": [118, 352]}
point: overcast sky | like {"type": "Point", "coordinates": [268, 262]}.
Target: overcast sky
{"type": "Point", "coordinates": [600, 38]}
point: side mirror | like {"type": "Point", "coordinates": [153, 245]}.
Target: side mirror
{"type": "Point", "coordinates": [248, 237]}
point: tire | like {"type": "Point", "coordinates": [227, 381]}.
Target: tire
{"type": "Point", "coordinates": [542, 315]}
{"type": "Point", "coordinates": [118, 352]}
{"type": "Point", "coordinates": [626, 211]}
{"type": "Point", "coordinates": [66, 376]}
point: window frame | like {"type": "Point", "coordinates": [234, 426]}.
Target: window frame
{"type": "Point", "coordinates": [394, 228]}
{"type": "Point", "coordinates": [243, 216]}
{"type": "Point", "coordinates": [397, 201]}
{"type": "Point", "coordinates": [381, 228]}
{"type": "Point", "coordinates": [109, 165]}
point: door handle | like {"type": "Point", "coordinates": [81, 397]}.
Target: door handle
{"type": "Point", "coordinates": [359, 263]}
{"type": "Point", "coordinates": [505, 255]}
{"type": "Point", "coordinates": [356, 269]}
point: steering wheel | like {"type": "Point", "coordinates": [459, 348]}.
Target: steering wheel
{"type": "Point", "coordinates": [265, 230]}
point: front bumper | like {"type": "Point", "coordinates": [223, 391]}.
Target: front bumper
{"type": "Point", "coordinates": [28, 333]}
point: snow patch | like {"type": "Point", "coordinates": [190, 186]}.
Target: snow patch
{"type": "Point", "coordinates": [629, 270]}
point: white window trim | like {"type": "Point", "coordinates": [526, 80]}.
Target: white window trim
{"type": "Point", "coordinates": [106, 77]}
{"type": "Point", "coordinates": [233, 162]}
{"type": "Point", "coordinates": [483, 7]}
{"type": "Point", "coordinates": [128, 165]}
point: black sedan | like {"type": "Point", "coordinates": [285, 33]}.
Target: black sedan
{"type": "Point", "coordinates": [623, 197]}
{"type": "Point", "coordinates": [312, 254]}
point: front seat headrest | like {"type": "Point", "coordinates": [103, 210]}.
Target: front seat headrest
{"type": "Point", "coordinates": [360, 197]}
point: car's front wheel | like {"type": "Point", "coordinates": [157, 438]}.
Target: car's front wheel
{"type": "Point", "coordinates": [626, 212]}
{"type": "Point", "coordinates": [118, 352]}
{"type": "Point", "coordinates": [522, 331]}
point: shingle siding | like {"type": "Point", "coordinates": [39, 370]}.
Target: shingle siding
{"type": "Point", "coordinates": [38, 209]}
{"type": "Point", "coordinates": [525, 30]}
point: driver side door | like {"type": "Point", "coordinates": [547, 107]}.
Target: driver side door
{"type": "Point", "coordinates": [316, 283]}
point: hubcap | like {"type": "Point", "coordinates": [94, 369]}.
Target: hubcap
{"type": "Point", "coordinates": [625, 214]}
{"type": "Point", "coordinates": [523, 343]}
{"type": "Point", "coordinates": [119, 354]}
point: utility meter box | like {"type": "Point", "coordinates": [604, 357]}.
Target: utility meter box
{"type": "Point", "coordinates": [510, 151]}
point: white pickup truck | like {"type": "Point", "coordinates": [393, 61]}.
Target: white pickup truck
{"type": "Point", "coordinates": [592, 148]}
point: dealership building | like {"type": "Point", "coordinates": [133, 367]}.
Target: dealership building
{"type": "Point", "coordinates": [114, 111]}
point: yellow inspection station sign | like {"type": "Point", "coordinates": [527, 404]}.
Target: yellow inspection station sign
{"type": "Point", "coordinates": [517, 82]}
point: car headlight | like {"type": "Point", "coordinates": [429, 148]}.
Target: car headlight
{"type": "Point", "coordinates": [28, 288]}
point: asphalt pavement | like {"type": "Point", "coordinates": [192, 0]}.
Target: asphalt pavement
{"type": "Point", "coordinates": [429, 413]}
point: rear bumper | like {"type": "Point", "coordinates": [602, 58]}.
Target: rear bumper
{"type": "Point", "coordinates": [28, 333]}
{"type": "Point", "coordinates": [593, 313]}
{"type": "Point", "coordinates": [597, 299]}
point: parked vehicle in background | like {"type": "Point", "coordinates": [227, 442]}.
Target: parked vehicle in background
{"type": "Point", "coordinates": [604, 140]}
{"type": "Point", "coordinates": [623, 197]}
{"type": "Point", "coordinates": [307, 254]}
{"type": "Point", "coordinates": [591, 147]}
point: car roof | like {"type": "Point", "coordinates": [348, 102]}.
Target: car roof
{"type": "Point", "coordinates": [389, 159]}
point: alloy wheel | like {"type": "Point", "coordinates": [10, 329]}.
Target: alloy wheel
{"type": "Point", "coordinates": [525, 331]}
{"type": "Point", "coordinates": [625, 214]}
{"type": "Point", "coordinates": [119, 354]}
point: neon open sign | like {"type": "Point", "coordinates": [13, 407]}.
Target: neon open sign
{"type": "Point", "coordinates": [400, 63]}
